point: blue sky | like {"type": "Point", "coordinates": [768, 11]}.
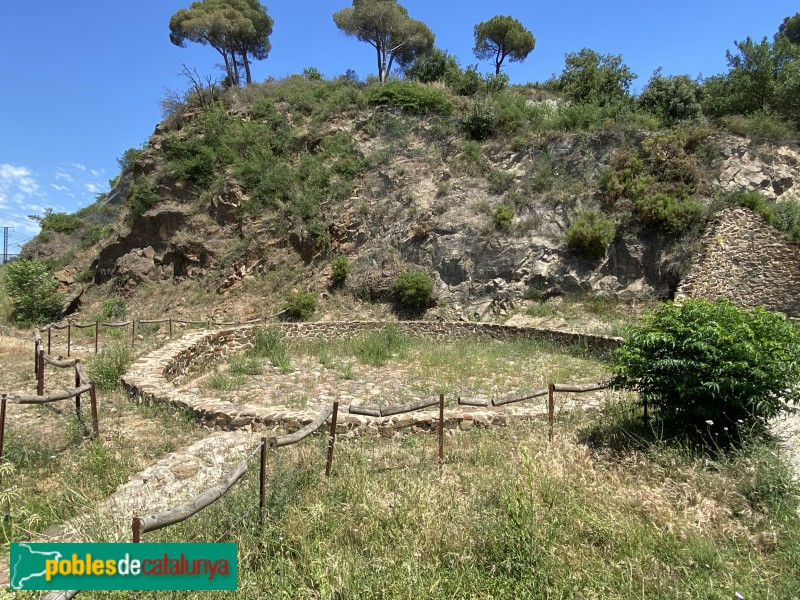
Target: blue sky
{"type": "Point", "coordinates": [82, 80]}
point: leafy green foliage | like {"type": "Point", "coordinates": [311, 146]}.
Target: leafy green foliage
{"type": "Point", "coordinates": [503, 217]}
{"type": "Point", "coordinates": [436, 65]}
{"type": "Point", "coordinates": [502, 37]}
{"type": "Point", "coordinates": [142, 197]}
{"type": "Point", "coordinates": [412, 97]}
{"type": "Point", "coordinates": [35, 298]}
{"type": "Point", "coordinates": [479, 123]}
{"type": "Point", "coordinates": [787, 218]}
{"type": "Point", "coordinates": [673, 99]}
{"type": "Point", "coordinates": [301, 306]}
{"type": "Point", "coordinates": [112, 309]}
{"type": "Point", "coordinates": [340, 268]}
{"type": "Point", "coordinates": [414, 290]}
{"type": "Point", "coordinates": [712, 363]}
{"type": "Point", "coordinates": [270, 343]}
{"type": "Point", "coordinates": [377, 347]}
{"type": "Point", "coordinates": [59, 222]}
{"type": "Point", "coordinates": [109, 364]}
{"type": "Point", "coordinates": [600, 79]}
{"type": "Point", "coordinates": [590, 234]}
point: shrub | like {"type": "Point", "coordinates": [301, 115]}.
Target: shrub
{"type": "Point", "coordinates": [712, 365]}
{"type": "Point", "coordinates": [668, 213]}
{"type": "Point", "coordinates": [479, 123]}
{"type": "Point", "coordinates": [60, 222]}
{"type": "Point", "coordinates": [142, 197]}
{"type": "Point", "coordinates": [411, 97]}
{"type": "Point", "coordinates": [672, 99]}
{"type": "Point", "coordinates": [590, 234]}
{"type": "Point", "coordinates": [241, 365]}
{"type": "Point", "coordinates": [312, 74]}
{"type": "Point", "coordinates": [414, 290]}
{"type": "Point", "coordinates": [500, 181]}
{"type": "Point", "coordinates": [436, 65]}
{"type": "Point", "coordinates": [787, 218]}
{"type": "Point", "coordinates": [109, 364]}
{"type": "Point", "coordinates": [503, 217]}
{"type": "Point", "coordinates": [755, 201]}
{"type": "Point", "coordinates": [301, 306]}
{"type": "Point", "coordinates": [340, 268]}
{"type": "Point", "coordinates": [35, 298]}
{"type": "Point", "coordinates": [467, 83]}
{"type": "Point", "coordinates": [112, 309]}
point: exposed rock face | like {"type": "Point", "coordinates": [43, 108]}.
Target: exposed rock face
{"type": "Point", "coordinates": [769, 169]}
{"type": "Point", "coordinates": [748, 262]}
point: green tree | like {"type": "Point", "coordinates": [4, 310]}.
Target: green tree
{"type": "Point", "coordinates": [712, 365]}
{"type": "Point", "coordinates": [237, 29]}
{"type": "Point", "coordinates": [673, 99]}
{"type": "Point", "coordinates": [35, 298]}
{"type": "Point", "coordinates": [386, 26]}
{"type": "Point", "coordinates": [789, 30]}
{"type": "Point", "coordinates": [436, 65]}
{"type": "Point", "coordinates": [592, 78]}
{"type": "Point", "coordinates": [502, 37]}
{"type": "Point", "coordinates": [751, 79]}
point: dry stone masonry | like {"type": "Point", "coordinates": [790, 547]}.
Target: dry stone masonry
{"type": "Point", "coordinates": [748, 262]}
{"type": "Point", "coordinates": [156, 377]}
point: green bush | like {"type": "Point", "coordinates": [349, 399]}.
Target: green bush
{"type": "Point", "coordinates": [590, 234]}
{"type": "Point", "coordinates": [414, 290]}
{"type": "Point", "coordinates": [503, 217]}
{"type": "Point", "coordinates": [35, 298]}
{"type": "Point", "coordinates": [60, 222]}
{"type": "Point", "coordinates": [411, 96]}
{"type": "Point", "coordinates": [340, 268]}
{"type": "Point", "coordinates": [787, 218]}
{"type": "Point", "coordinates": [112, 309]}
{"type": "Point", "coordinates": [241, 365]}
{"type": "Point", "coordinates": [142, 197]}
{"type": "Point", "coordinates": [467, 83]}
{"type": "Point", "coordinates": [479, 123]}
{"type": "Point", "coordinates": [710, 365]}
{"type": "Point", "coordinates": [109, 364]}
{"type": "Point", "coordinates": [301, 306]}
{"type": "Point", "coordinates": [668, 213]}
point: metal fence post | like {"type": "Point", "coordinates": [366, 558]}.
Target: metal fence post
{"type": "Point", "coordinates": [441, 429]}
{"type": "Point", "coordinates": [170, 327]}
{"type": "Point", "coordinates": [2, 423]}
{"type": "Point", "coordinates": [93, 398]}
{"type": "Point", "coordinates": [96, 335]}
{"type": "Point", "coordinates": [137, 530]}
{"type": "Point", "coordinates": [69, 337]}
{"type": "Point", "coordinates": [262, 482]}
{"type": "Point", "coordinates": [78, 397]}
{"type": "Point", "coordinates": [49, 331]}
{"type": "Point", "coordinates": [40, 378]}
{"type": "Point", "coordinates": [550, 410]}
{"type": "Point", "coordinates": [331, 439]}
{"type": "Point", "coordinates": [133, 331]}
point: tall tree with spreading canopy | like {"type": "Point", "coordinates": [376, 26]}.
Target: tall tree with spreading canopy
{"type": "Point", "coordinates": [502, 37]}
{"type": "Point", "coordinates": [237, 29]}
{"type": "Point", "coordinates": [386, 26]}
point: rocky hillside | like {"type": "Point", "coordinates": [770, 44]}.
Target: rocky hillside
{"type": "Point", "coordinates": [498, 199]}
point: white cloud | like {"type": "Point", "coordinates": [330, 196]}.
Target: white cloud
{"type": "Point", "coordinates": [64, 176]}
{"type": "Point", "coordinates": [93, 188]}
{"type": "Point", "coordinates": [78, 166]}
{"type": "Point", "coordinates": [16, 182]}
{"type": "Point", "coordinates": [59, 188]}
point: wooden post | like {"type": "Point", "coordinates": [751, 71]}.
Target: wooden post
{"type": "Point", "coordinates": [40, 378]}
{"type": "Point", "coordinates": [646, 417]}
{"type": "Point", "coordinates": [49, 331]}
{"type": "Point", "coordinates": [2, 423]}
{"type": "Point", "coordinates": [331, 439]}
{"type": "Point", "coordinates": [170, 327]}
{"type": "Point", "coordinates": [96, 334]}
{"type": "Point", "coordinates": [133, 331]}
{"type": "Point", "coordinates": [550, 410]}
{"type": "Point", "coordinates": [69, 337]}
{"type": "Point", "coordinates": [441, 429]}
{"type": "Point", "coordinates": [137, 530]}
{"type": "Point", "coordinates": [36, 346]}
{"type": "Point", "coordinates": [262, 482]}
{"type": "Point", "coordinates": [93, 398]}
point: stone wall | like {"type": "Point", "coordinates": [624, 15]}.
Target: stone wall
{"type": "Point", "coordinates": [748, 262]}
{"type": "Point", "coordinates": [155, 377]}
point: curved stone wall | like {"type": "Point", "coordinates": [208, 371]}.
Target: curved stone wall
{"type": "Point", "coordinates": [155, 377]}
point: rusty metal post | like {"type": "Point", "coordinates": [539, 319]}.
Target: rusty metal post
{"type": "Point", "coordinates": [96, 335]}
{"type": "Point", "coordinates": [441, 429]}
{"type": "Point", "coordinates": [49, 331]}
{"type": "Point", "coordinates": [40, 378]}
{"type": "Point", "coordinates": [331, 439]}
{"type": "Point", "coordinates": [133, 331]}
{"type": "Point", "coordinates": [170, 327]}
{"type": "Point", "coordinates": [550, 410]}
{"type": "Point", "coordinates": [36, 346]}
{"type": "Point", "coordinates": [137, 530]}
{"type": "Point", "coordinates": [262, 482]}
{"type": "Point", "coordinates": [78, 397]}
{"type": "Point", "coordinates": [93, 399]}
{"type": "Point", "coordinates": [2, 423]}
{"type": "Point", "coordinates": [69, 337]}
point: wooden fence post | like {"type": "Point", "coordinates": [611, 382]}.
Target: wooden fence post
{"type": "Point", "coordinates": [550, 410]}
{"type": "Point", "coordinates": [96, 335]}
{"type": "Point", "coordinates": [93, 398]}
{"type": "Point", "coordinates": [331, 439]}
{"type": "Point", "coordinates": [2, 423]}
{"type": "Point", "coordinates": [40, 378]}
{"type": "Point", "coordinates": [69, 337]}
{"type": "Point", "coordinates": [137, 530]}
{"type": "Point", "coordinates": [441, 429]}
{"type": "Point", "coordinates": [36, 346]}
{"type": "Point", "coordinates": [262, 482]}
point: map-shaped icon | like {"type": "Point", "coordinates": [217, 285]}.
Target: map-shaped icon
{"type": "Point", "coordinates": [26, 564]}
